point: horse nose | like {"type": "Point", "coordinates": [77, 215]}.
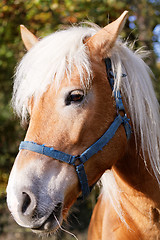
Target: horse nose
{"type": "Point", "coordinates": [28, 203]}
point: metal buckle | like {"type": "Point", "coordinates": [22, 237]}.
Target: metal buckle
{"type": "Point", "coordinates": [77, 161]}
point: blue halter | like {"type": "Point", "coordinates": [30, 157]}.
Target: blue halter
{"type": "Point", "coordinates": [78, 161]}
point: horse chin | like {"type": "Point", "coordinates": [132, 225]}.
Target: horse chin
{"type": "Point", "coordinates": [52, 223]}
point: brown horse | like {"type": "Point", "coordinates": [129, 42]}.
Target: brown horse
{"type": "Point", "coordinates": [72, 104]}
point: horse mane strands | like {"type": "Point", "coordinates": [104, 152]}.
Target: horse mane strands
{"type": "Point", "coordinates": [139, 95]}
{"type": "Point", "coordinates": [49, 60]}
{"type": "Point", "coordinates": [112, 192]}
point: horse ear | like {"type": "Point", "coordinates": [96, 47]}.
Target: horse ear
{"type": "Point", "coordinates": [105, 38]}
{"type": "Point", "coordinates": [29, 39]}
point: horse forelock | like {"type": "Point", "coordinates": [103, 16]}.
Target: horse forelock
{"type": "Point", "coordinates": [50, 60]}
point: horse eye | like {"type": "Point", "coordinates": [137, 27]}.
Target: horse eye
{"type": "Point", "coordinates": [76, 96]}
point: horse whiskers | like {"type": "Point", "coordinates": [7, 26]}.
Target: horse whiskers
{"type": "Point", "coordinates": [64, 229]}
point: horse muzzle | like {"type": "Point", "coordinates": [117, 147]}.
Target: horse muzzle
{"type": "Point", "coordinates": [36, 202]}
{"type": "Point", "coordinates": [40, 217]}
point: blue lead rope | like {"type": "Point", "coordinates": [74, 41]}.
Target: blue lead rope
{"type": "Point", "coordinates": [78, 161]}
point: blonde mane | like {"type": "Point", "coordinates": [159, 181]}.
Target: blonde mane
{"type": "Point", "coordinates": [54, 56]}
{"type": "Point", "coordinates": [138, 93]}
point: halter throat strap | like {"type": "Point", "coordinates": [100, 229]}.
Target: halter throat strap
{"type": "Point", "coordinates": [78, 161]}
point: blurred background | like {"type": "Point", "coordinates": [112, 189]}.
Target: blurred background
{"type": "Point", "coordinates": [43, 17]}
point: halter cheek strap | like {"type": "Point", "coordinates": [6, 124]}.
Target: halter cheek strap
{"type": "Point", "coordinates": [78, 161]}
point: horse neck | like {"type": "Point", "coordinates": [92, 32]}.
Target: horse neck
{"type": "Point", "coordinates": [140, 190]}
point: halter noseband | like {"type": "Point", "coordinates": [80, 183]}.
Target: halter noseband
{"type": "Point", "coordinates": [78, 161]}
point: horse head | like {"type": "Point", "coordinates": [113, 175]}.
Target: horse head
{"type": "Point", "coordinates": [62, 83]}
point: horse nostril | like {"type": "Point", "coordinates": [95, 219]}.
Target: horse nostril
{"type": "Point", "coordinates": [28, 203]}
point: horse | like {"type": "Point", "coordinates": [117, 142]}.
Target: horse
{"type": "Point", "coordinates": [92, 114]}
